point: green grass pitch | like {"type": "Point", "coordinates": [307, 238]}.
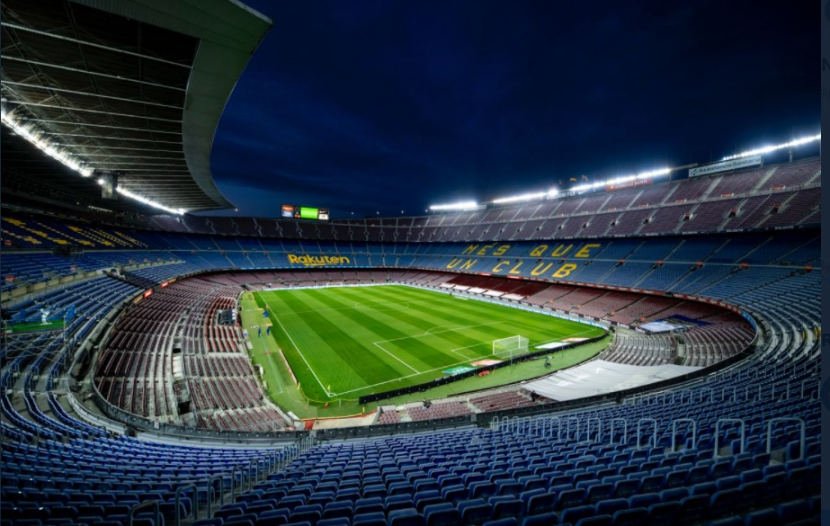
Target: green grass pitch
{"type": "Point", "coordinates": [346, 342]}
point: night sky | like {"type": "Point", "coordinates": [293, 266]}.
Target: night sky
{"type": "Point", "coordinates": [390, 106]}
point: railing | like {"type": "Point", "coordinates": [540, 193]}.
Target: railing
{"type": "Point", "coordinates": [802, 440]}
{"type": "Point", "coordinates": [654, 431]}
{"type": "Point", "coordinates": [146, 504]}
{"type": "Point", "coordinates": [194, 503]}
{"type": "Point", "coordinates": [674, 432]}
{"type": "Point", "coordinates": [588, 428]}
{"type": "Point", "coordinates": [625, 430]}
{"type": "Point", "coordinates": [716, 451]}
{"type": "Point", "coordinates": [221, 478]}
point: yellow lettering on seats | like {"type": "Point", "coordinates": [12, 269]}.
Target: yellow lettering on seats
{"type": "Point", "coordinates": [561, 250]}
{"type": "Point", "coordinates": [499, 266]}
{"type": "Point", "coordinates": [501, 250]}
{"type": "Point", "coordinates": [538, 270]}
{"type": "Point", "coordinates": [585, 251]}
{"type": "Point", "coordinates": [538, 251]}
{"type": "Point", "coordinates": [564, 270]}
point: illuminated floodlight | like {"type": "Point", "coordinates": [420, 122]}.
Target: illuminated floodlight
{"type": "Point", "coordinates": [51, 149]}
{"type": "Point", "coordinates": [149, 202]}
{"type": "Point", "coordinates": [768, 149]}
{"type": "Point", "coordinates": [520, 198]}
{"type": "Point", "coordinates": [54, 150]}
{"type": "Point", "coordinates": [620, 180]}
{"type": "Point", "coordinates": [459, 206]}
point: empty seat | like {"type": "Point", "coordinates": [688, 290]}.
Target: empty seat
{"type": "Point", "coordinates": [631, 517]}
{"type": "Point", "coordinates": [793, 511]}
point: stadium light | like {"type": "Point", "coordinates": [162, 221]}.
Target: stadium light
{"type": "Point", "coordinates": [459, 206]}
{"type": "Point", "coordinates": [149, 202]}
{"type": "Point", "coordinates": [620, 180]}
{"type": "Point", "coordinates": [768, 149]}
{"type": "Point", "coordinates": [520, 198]}
{"type": "Point", "coordinates": [50, 149]}
{"type": "Point", "coordinates": [65, 158]}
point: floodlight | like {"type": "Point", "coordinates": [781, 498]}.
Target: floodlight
{"type": "Point", "coordinates": [620, 180]}
{"type": "Point", "coordinates": [51, 149]}
{"type": "Point", "coordinates": [123, 191]}
{"type": "Point", "coordinates": [459, 206]}
{"type": "Point", "coordinates": [768, 149]}
{"type": "Point", "coordinates": [520, 198]}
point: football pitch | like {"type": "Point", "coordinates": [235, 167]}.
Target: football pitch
{"type": "Point", "coordinates": [346, 342]}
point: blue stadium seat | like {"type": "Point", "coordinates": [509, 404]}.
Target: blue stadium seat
{"type": "Point", "coordinates": [763, 517]}
{"type": "Point", "coordinates": [663, 513]}
{"type": "Point", "coordinates": [793, 511]}
{"type": "Point", "coordinates": [576, 513]}
{"type": "Point", "coordinates": [545, 519]}
{"type": "Point", "coordinates": [597, 520]}
{"type": "Point", "coordinates": [630, 517]}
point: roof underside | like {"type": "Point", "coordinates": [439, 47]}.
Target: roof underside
{"type": "Point", "coordinates": [134, 87]}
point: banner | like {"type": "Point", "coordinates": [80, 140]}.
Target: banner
{"type": "Point", "coordinates": [628, 184]}
{"type": "Point", "coordinates": [725, 166]}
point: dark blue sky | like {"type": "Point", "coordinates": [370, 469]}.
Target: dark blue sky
{"type": "Point", "coordinates": [383, 106]}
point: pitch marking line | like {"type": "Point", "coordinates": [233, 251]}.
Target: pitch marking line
{"type": "Point", "coordinates": [367, 387]}
{"type": "Point", "coordinates": [428, 333]}
{"type": "Point", "coordinates": [399, 305]}
{"type": "Point", "coordinates": [377, 344]}
{"type": "Point", "coordinates": [302, 356]}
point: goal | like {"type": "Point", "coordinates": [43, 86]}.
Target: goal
{"type": "Point", "coordinates": [509, 348]}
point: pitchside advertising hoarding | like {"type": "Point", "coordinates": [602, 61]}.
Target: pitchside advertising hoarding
{"type": "Point", "coordinates": [725, 166]}
{"type": "Point", "coordinates": [305, 212]}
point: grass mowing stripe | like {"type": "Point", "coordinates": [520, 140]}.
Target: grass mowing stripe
{"type": "Point", "coordinates": [362, 332]}
{"type": "Point", "coordinates": [293, 350]}
{"type": "Point", "coordinates": [359, 363]}
{"type": "Point", "coordinates": [314, 361]}
{"type": "Point", "coordinates": [376, 329]}
{"type": "Point", "coordinates": [336, 330]}
{"type": "Point", "coordinates": [415, 323]}
{"type": "Point", "coordinates": [535, 327]}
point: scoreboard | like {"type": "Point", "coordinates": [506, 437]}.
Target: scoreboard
{"type": "Point", "coordinates": [305, 212]}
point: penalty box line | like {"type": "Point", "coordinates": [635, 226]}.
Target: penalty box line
{"type": "Point", "coordinates": [437, 368]}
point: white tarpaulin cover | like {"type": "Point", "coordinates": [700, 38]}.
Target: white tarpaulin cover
{"type": "Point", "coordinates": [660, 326]}
{"type": "Point", "coordinates": [600, 377]}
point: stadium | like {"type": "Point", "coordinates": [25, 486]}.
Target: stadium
{"type": "Point", "coordinates": [638, 350]}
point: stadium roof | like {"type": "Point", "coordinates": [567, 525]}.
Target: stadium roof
{"type": "Point", "coordinates": [134, 87]}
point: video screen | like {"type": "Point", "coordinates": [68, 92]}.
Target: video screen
{"type": "Point", "coordinates": [305, 212]}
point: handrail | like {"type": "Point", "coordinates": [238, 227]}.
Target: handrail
{"type": "Point", "coordinates": [195, 502]}
{"type": "Point", "coordinates": [654, 433]}
{"type": "Point", "coordinates": [253, 472]}
{"type": "Point", "coordinates": [210, 489]}
{"type": "Point", "coordinates": [588, 428]}
{"type": "Point", "coordinates": [494, 424]}
{"type": "Point", "coordinates": [568, 428]}
{"type": "Point", "coordinates": [674, 431]}
{"type": "Point", "coordinates": [802, 441]}
{"type": "Point", "coordinates": [717, 433]}
{"type": "Point", "coordinates": [241, 470]}
{"type": "Point", "coordinates": [625, 430]}
{"type": "Point", "coordinates": [700, 391]}
{"type": "Point", "coordinates": [153, 503]}
{"type": "Point", "coordinates": [558, 427]}
{"type": "Point", "coordinates": [804, 382]}
{"type": "Point", "coordinates": [787, 391]}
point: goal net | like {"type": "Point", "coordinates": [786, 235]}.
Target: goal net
{"type": "Point", "coordinates": [508, 348]}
